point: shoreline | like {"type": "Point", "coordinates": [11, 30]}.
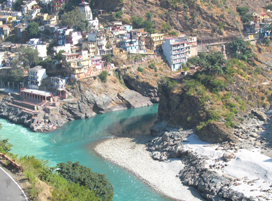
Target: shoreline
{"type": "Point", "coordinates": [131, 154]}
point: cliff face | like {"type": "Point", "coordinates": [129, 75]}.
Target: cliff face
{"type": "Point", "coordinates": [215, 113]}
{"type": "Point", "coordinates": [95, 97]}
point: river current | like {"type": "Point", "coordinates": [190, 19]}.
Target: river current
{"type": "Point", "coordinates": [75, 142]}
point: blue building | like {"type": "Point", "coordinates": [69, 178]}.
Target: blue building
{"type": "Point", "coordinates": [130, 45]}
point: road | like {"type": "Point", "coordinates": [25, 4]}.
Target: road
{"type": "Point", "coordinates": [9, 189]}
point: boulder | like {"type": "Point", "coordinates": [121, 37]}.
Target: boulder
{"type": "Point", "coordinates": [134, 99]}
{"type": "Point", "coordinates": [260, 115]}
{"type": "Point", "coordinates": [227, 156]}
{"type": "Point", "coordinates": [216, 132]}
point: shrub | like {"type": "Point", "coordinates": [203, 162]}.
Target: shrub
{"type": "Point", "coordinates": [152, 66]}
{"type": "Point", "coordinates": [103, 76]}
{"type": "Point", "coordinates": [140, 69]}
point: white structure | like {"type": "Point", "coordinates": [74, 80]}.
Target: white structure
{"type": "Point", "coordinates": [174, 50]}
{"type": "Point", "coordinates": [85, 8]}
{"type": "Point", "coordinates": [42, 50]}
{"type": "Point", "coordinates": [66, 48]}
{"type": "Point", "coordinates": [2, 54]}
{"type": "Point", "coordinates": [35, 77]}
{"type": "Point", "coordinates": [57, 82]}
{"type": "Point", "coordinates": [34, 41]}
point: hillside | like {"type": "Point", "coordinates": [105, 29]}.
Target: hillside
{"type": "Point", "coordinates": [199, 17]}
{"type": "Point", "coordinates": [216, 102]}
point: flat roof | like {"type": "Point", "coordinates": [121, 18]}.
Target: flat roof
{"type": "Point", "coordinates": [37, 92]}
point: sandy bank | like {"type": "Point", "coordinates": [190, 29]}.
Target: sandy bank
{"type": "Point", "coordinates": [132, 155]}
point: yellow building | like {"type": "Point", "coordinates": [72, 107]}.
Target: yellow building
{"type": "Point", "coordinates": [76, 65]}
{"type": "Point", "coordinates": [154, 41]}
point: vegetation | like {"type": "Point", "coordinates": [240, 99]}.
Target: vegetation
{"type": "Point", "coordinates": [74, 172]}
{"type": "Point", "coordinates": [18, 5]}
{"type": "Point", "coordinates": [75, 19]}
{"type": "Point", "coordinates": [151, 66]}
{"type": "Point", "coordinates": [140, 69]}
{"type": "Point", "coordinates": [70, 182]}
{"type": "Point", "coordinates": [103, 76]}
{"type": "Point", "coordinates": [243, 11]}
{"type": "Point", "coordinates": [59, 55]}
{"type": "Point", "coordinates": [240, 49]}
{"type": "Point", "coordinates": [33, 29]}
{"type": "Point", "coordinates": [138, 22]}
{"type": "Point", "coordinates": [107, 58]}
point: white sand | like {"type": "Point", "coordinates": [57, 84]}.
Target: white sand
{"type": "Point", "coordinates": [252, 169]}
{"type": "Point", "coordinates": [161, 176]}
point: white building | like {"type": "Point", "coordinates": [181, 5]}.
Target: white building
{"type": "Point", "coordinates": [57, 82]}
{"type": "Point", "coordinates": [66, 48]}
{"type": "Point", "coordinates": [35, 77]}
{"type": "Point", "coordinates": [42, 50]}
{"type": "Point", "coordinates": [174, 50]}
{"type": "Point", "coordinates": [85, 8]}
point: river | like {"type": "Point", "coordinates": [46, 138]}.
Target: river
{"type": "Point", "coordinates": [75, 142]}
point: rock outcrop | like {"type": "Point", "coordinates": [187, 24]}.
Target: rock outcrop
{"type": "Point", "coordinates": [216, 132]}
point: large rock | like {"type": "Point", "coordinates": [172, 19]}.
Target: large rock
{"type": "Point", "coordinates": [216, 132]}
{"type": "Point", "coordinates": [260, 115]}
{"type": "Point", "coordinates": [134, 99]}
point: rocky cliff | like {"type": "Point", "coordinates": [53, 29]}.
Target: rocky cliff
{"type": "Point", "coordinates": [214, 105]}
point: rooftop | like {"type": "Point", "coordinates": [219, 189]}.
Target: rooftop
{"type": "Point", "coordinates": [37, 92]}
{"type": "Point", "coordinates": [37, 68]}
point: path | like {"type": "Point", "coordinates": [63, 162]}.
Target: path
{"type": "Point", "coordinates": [9, 189]}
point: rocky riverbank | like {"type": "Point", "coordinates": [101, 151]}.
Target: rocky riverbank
{"type": "Point", "coordinates": [90, 97]}
{"type": "Point", "coordinates": [239, 170]}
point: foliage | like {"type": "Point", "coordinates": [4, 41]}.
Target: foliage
{"type": "Point", "coordinates": [46, 63]}
{"type": "Point", "coordinates": [240, 49]}
{"type": "Point", "coordinates": [119, 14]}
{"type": "Point", "coordinates": [107, 58]}
{"type": "Point", "coordinates": [103, 76]}
{"type": "Point", "coordinates": [33, 29]}
{"type": "Point", "coordinates": [151, 66]}
{"type": "Point", "coordinates": [18, 5]}
{"type": "Point", "coordinates": [140, 69]}
{"type": "Point", "coordinates": [82, 175]}
{"type": "Point", "coordinates": [5, 146]}
{"type": "Point", "coordinates": [211, 63]}
{"type": "Point", "coordinates": [243, 11]}
{"type": "Point", "coordinates": [59, 55]}
{"type": "Point", "coordinates": [28, 57]}
{"type": "Point", "coordinates": [269, 6]}
{"type": "Point", "coordinates": [75, 19]}
{"type": "Point", "coordinates": [138, 22]}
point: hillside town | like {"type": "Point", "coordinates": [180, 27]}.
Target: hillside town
{"type": "Point", "coordinates": [199, 70]}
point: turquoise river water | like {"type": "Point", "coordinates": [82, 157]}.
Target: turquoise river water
{"type": "Point", "coordinates": [75, 142]}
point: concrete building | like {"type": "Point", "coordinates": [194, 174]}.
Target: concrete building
{"type": "Point", "coordinates": [154, 41]}
{"type": "Point", "coordinates": [60, 35]}
{"type": "Point", "coordinates": [57, 82]}
{"type": "Point", "coordinates": [57, 5]}
{"type": "Point", "coordinates": [35, 77]}
{"type": "Point", "coordinates": [174, 50]}
{"type": "Point", "coordinates": [73, 37]}
{"type": "Point", "coordinates": [65, 48]}
{"type": "Point", "coordinates": [4, 31]}
{"type": "Point", "coordinates": [90, 46]}
{"type": "Point", "coordinates": [86, 10]}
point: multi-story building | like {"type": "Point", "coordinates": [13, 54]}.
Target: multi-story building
{"type": "Point", "coordinates": [86, 10]}
{"type": "Point", "coordinates": [130, 45]}
{"type": "Point", "coordinates": [4, 31]}
{"type": "Point", "coordinates": [57, 5]}
{"type": "Point", "coordinates": [60, 35]}
{"type": "Point", "coordinates": [103, 46]}
{"type": "Point", "coordinates": [73, 37]}
{"type": "Point", "coordinates": [90, 46]}
{"type": "Point", "coordinates": [35, 77]}
{"type": "Point", "coordinates": [191, 47]}
{"type": "Point", "coordinates": [57, 82]}
{"type": "Point", "coordinates": [154, 41]}
{"type": "Point", "coordinates": [174, 50]}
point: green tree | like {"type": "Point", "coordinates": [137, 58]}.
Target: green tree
{"type": "Point", "coordinates": [33, 29]}
{"type": "Point", "coordinates": [59, 55]}
{"type": "Point", "coordinates": [84, 176]}
{"type": "Point", "coordinates": [18, 5]}
{"type": "Point", "coordinates": [103, 76]}
{"type": "Point", "coordinates": [242, 10]}
{"type": "Point", "coordinates": [28, 57]}
{"type": "Point", "coordinates": [107, 58]}
{"type": "Point", "coordinates": [5, 146]}
{"type": "Point", "coordinates": [75, 19]}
